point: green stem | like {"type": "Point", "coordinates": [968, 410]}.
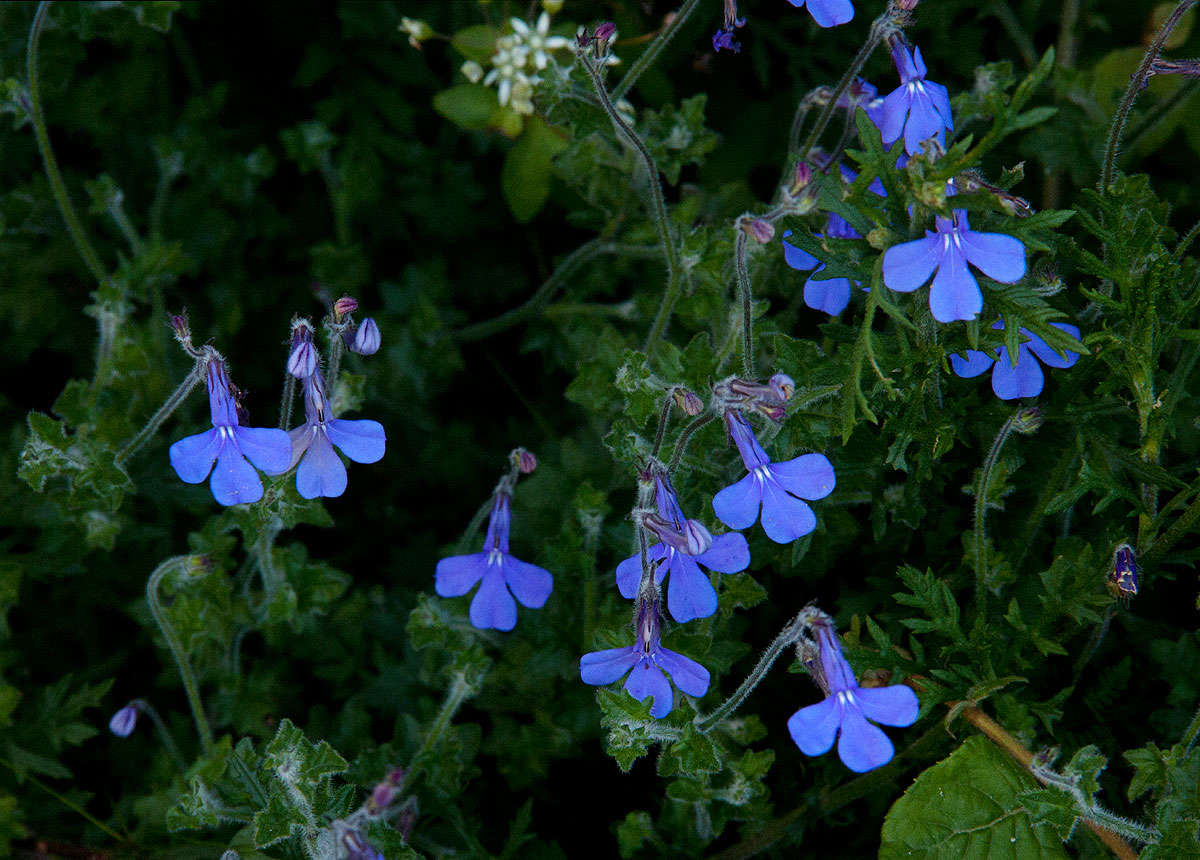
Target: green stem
{"type": "Point", "coordinates": [642, 63]}
{"type": "Point", "coordinates": [664, 419]}
{"type": "Point", "coordinates": [789, 635]}
{"type": "Point", "coordinates": [65, 801]}
{"type": "Point", "coordinates": [164, 734]}
{"type": "Point", "coordinates": [743, 282]}
{"type": "Point", "coordinates": [981, 494]}
{"type": "Point", "coordinates": [1136, 83]}
{"type": "Point", "coordinates": [686, 436]}
{"type": "Point", "coordinates": [179, 563]}
{"type": "Point", "coordinates": [285, 404]}
{"type": "Point", "coordinates": [455, 696]}
{"type": "Point", "coordinates": [164, 412]}
{"type": "Point", "coordinates": [264, 549]}
{"type": "Point", "coordinates": [74, 226]}
{"type": "Point", "coordinates": [126, 227]}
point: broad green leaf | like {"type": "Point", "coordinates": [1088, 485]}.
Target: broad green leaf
{"type": "Point", "coordinates": [469, 106]}
{"type": "Point", "coordinates": [525, 177]}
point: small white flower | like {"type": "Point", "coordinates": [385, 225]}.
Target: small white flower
{"type": "Point", "coordinates": [537, 40]}
{"type": "Point", "coordinates": [472, 71]}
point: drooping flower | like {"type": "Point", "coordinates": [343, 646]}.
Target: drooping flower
{"type": "Point", "coordinates": [1026, 378]}
{"type": "Point", "coordinates": [827, 13]}
{"type": "Point", "coordinates": [779, 489]}
{"type": "Point", "coordinates": [503, 576]}
{"type": "Point", "coordinates": [918, 109]}
{"type": "Point", "coordinates": [229, 445]}
{"type": "Point", "coordinates": [647, 659]}
{"type": "Point", "coordinates": [954, 294]}
{"type": "Point", "coordinates": [848, 710]}
{"type": "Point", "coordinates": [690, 594]}
{"type": "Point", "coordinates": [321, 472]}
{"type": "Point", "coordinates": [366, 338]}
{"type": "Point", "coordinates": [124, 721]}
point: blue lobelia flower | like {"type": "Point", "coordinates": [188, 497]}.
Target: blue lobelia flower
{"type": "Point", "coordinates": [827, 13]}
{"type": "Point", "coordinates": [647, 659]}
{"type": "Point", "coordinates": [918, 109]}
{"type": "Point", "coordinates": [778, 488]}
{"type": "Point", "coordinates": [124, 721]}
{"type": "Point", "coordinates": [503, 576]}
{"type": "Point", "coordinates": [229, 445]}
{"type": "Point", "coordinates": [321, 471]}
{"type": "Point", "coordinates": [690, 593]}
{"type": "Point", "coordinates": [847, 710]}
{"type": "Point", "coordinates": [954, 294]}
{"type": "Point", "coordinates": [1026, 378]}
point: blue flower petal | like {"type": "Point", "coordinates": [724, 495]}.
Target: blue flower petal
{"type": "Point", "coordinates": [729, 553]}
{"type": "Point", "coordinates": [1024, 380]}
{"type": "Point", "coordinates": [458, 574]}
{"type": "Point", "coordinates": [830, 13]}
{"type": "Point", "coordinates": [809, 476]}
{"type": "Point", "coordinates": [493, 607]}
{"type": "Point", "coordinates": [629, 572]}
{"type": "Point", "coordinates": [892, 114]}
{"type": "Point", "coordinates": [362, 441]}
{"type": "Point", "coordinates": [266, 447]}
{"type": "Point", "coordinates": [908, 266]}
{"type": "Point", "coordinates": [689, 594]}
{"type": "Point", "coordinates": [1000, 257]}
{"type": "Point", "coordinates": [830, 296]}
{"type": "Point", "coordinates": [923, 121]}
{"type": "Point", "coordinates": [604, 667]}
{"type": "Point", "coordinates": [646, 679]}
{"type": "Point", "coordinates": [688, 675]}
{"type": "Point", "coordinates": [1046, 354]}
{"type": "Point", "coordinates": [795, 257]}
{"type": "Point", "coordinates": [321, 471]}
{"type": "Point", "coordinates": [862, 746]}
{"type": "Point", "coordinates": [235, 481]}
{"type": "Point", "coordinates": [737, 504]}
{"type": "Point", "coordinates": [193, 456]}
{"type": "Point", "coordinates": [784, 517]}
{"type": "Point", "coordinates": [896, 705]}
{"type": "Point", "coordinates": [814, 728]}
{"type": "Point", "coordinates": [530, 584]}
{"type": "Point", "coordinates": [939, 97]}
{"type": "Point", "coordinates": [974, 364]}
{"type": "Point", "coordinates": [954, 293]}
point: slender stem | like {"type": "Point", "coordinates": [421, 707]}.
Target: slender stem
{"type": "Point", "coordinates": [164, 734]}
{"type": "Point", "coordinates": [685, 436]}
{"type": "Point", "coordinates": [664, 419]}
{"type": "Point", "coordinates": [121, 219]}
{"type": "Point", "coordinates": [789, 635]}
{"type": "Point", "coordinates": [336, 347]}
{"type": "Point", "coordinates": [74, 225]}
{"type": "Point", "coordinates": [264, 550]}
{"type": "Point", "coordinates": [1160, 110]}
{"type": "Point", "coordinates": [1067, 40]}
{"type": "Point", "coordinates": [743, 282]}
{"type": "Point", "coordinates": [65, 801]}
{"type": "Point", "coordinates": [981, 493]}
{"type": "Point", "coordinates": [1136, 84]}
{"type": "Point", "coordinates": [286, 403]}
{"type": "Point", "coordinates": [455, 696]}
{"type": "Point", "coordinates": [642, 63]}
{"type": "Point", "coordinates": [164, 412]}
{"type": "Point", "coordinates": [179, 563]}
{"type": "Point", "coordinates": [880, 27]}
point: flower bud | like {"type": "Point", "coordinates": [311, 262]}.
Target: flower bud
{"type": "Point", "coordinates": [344, 305]}
{"type": "Point", "coordinates": [759, 230]}
{"type": "Point", "coordinates": [382, 795]}
{"type": "Point", "coordinates": [472, 71]}
{"type": "Point", "coordinates": [418, 31]}
{"type": "Point", "coordinates": [1123, 578]}
{"type": "Point", "coordinates": [782, 386]}
{"type": "Point", "coordinates": [396, 776]}
{"type": "Point", "coordinates": [302, 360]}
{"type": "Point", "coordinates": [524, 460]}
{"type": "Point", "coordinates": [802, 178]}
{"type": "Point", "coordinates": [179, 324]}
{"type": "Point", "coordinates": [123, 721]}
{"type": "Point", "coordinates": [366, 338]}
{"type": "Point", "coordinates": [605, 31]}
{"type": "Point", "coordinates": [1028, 420]}
{"type": "Point", "coordinates": [687, 401]}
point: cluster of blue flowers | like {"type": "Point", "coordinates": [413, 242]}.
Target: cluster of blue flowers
{"type": "Point", "coordinates": [233, 453]}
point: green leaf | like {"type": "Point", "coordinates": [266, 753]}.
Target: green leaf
{"type": "Point", "coordinates": [469, 106]}
{"type": "Point", "coordinates": [279, 821]}
{"type": "Point", "coordinates": [967, 806]}
{"type": "Point", "coordinates": [525, 177]}
{"type": "Point", "coordinates": [299, 762]}
{"type": "Point", "coordinates": [476, 43]}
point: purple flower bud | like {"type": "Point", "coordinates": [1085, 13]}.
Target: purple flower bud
{"type": "Point", "coordinates": [691, 538]}
{"type": "Point", "coordinates": [1123, 578]}
{"type": "Point", "coordinates": [396, 776]}
{"type": "Point", "coordinates": [345, 305]}
{"type": "Point", "coordinates": [383, 794]}
{"type": "Point", "coordinates": [687, 401]}
{"type": "Point", "coordinates": [759, 230]}
{"type": "Point", "coordinates": [782, 386]}
{"type": "Point", "coordinates": [803, 177]}
{"type": "Point", "coordinates": [905, 5]}
{"type": "Point", "coordinates": [179, 324]}
{"type": "Point", "coordinates": [366, 338]}
{"type": "Point", "coordinates": [302, 360]}
{"type": "Point", "coordinates": [604, 31]}
{"type": "Point", "coordinates": [123, 721]}
{"type": "Point", "coordinates": [524, 460]}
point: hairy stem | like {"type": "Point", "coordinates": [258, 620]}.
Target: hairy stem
{"type": "Point", "coordinates": [981, 493]}
{"type": "Point", "coordinates": [646, 60]}
{"type": "Point", "coordinates": [743, 282]}
{"type": "Point", "coordinates": [664, 419]}
{"type": "Point", "coordinates": [164, 734]}
{"type": "Point", "coordinates": [182, 564]}
{"type": "Point", "coordinates": [65, 801]}
{"type": "Point", "coordinates": [164, 412]}
{"type": "Point", "coordinates": [686, 436]}
{"type": "Point", "coordinates": [1136, 84]}
{"type": "Point", "coordinates": [286, 403]}
{"type": "Point", "coordinates": [458, 693]}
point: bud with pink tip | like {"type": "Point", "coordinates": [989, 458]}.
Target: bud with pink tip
{"type": "Point", "coordinates": [345, 305]}
{"type": "Point", "coordinates": [759, 230]}
{"type": "Point", "coordinates": [689, 402]}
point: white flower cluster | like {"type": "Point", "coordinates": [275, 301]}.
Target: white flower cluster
{"type": "Point", "coordinates": [518, 58]}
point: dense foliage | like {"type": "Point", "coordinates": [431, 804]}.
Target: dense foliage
{"type": "Point", "coordinates": [586, 321]}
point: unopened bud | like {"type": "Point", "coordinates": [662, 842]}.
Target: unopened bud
{"type": "Point", "coordinates": [1123, 578]}
{"type": "Point", "coordinates": [302, 360]}
{"type": "Point", "coordinates": [782, 385]}
{"type": "Point", "coordinates": [688, 401]}
{"type": "Point", "coordinates": [524, 460]}
{"type": "Point", "coordinates": [605, 31]}
{"type": "Point", "coordinates": [774, 413]}
{"type": "Point", "coordinates": [344, 305]}
{"type": "Point", "coordinates": [383, 794]}
{"type": "Point", "coordinates": [1028, 420]}
{"type": "Point", "coordinates": [801, 179]}
{"type": "Point", "coordinates": [1161, 66]}
{"type": "Point", "coordinates": [397, 774]}
{"type": "Point", "coordinates": [179, 325]}
{"type": "Point", "coordinates": [759, 230]}
{"type": "Point", "coordinates": [366, 338]}
{"type": "Point", "coordinates": [905, 5]}
{"type": "Point", "coordinates": [472, 71]}
{"type": "Point", "coordinates": [123, 721]}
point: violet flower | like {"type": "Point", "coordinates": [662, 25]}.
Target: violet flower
{"type": "Point", "coordinates": [827, 13]}
{"type": "Point", "coordinates": [1026, 378]}
{"type": "Point", "coordinates": [321, 471]}
{"type": "Point", "coordinates": [503, 576]}
{"type": "Point", "coordinates": [777, 488]}
{"type": "Point", "coordinates": [918, 109]}
{"type": "Point", "coordinates": [954, 294]}
{"type": "Point", "coordinates": [229, 445]}
{"type": "Point", "coordinates": [123, 721]}
{"type": "Point", "coordinates": [848, 710]}
{"type": "Point", "coordinates": [690, 593]}
{"type": "Point", "coordinates": [647, 659]}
